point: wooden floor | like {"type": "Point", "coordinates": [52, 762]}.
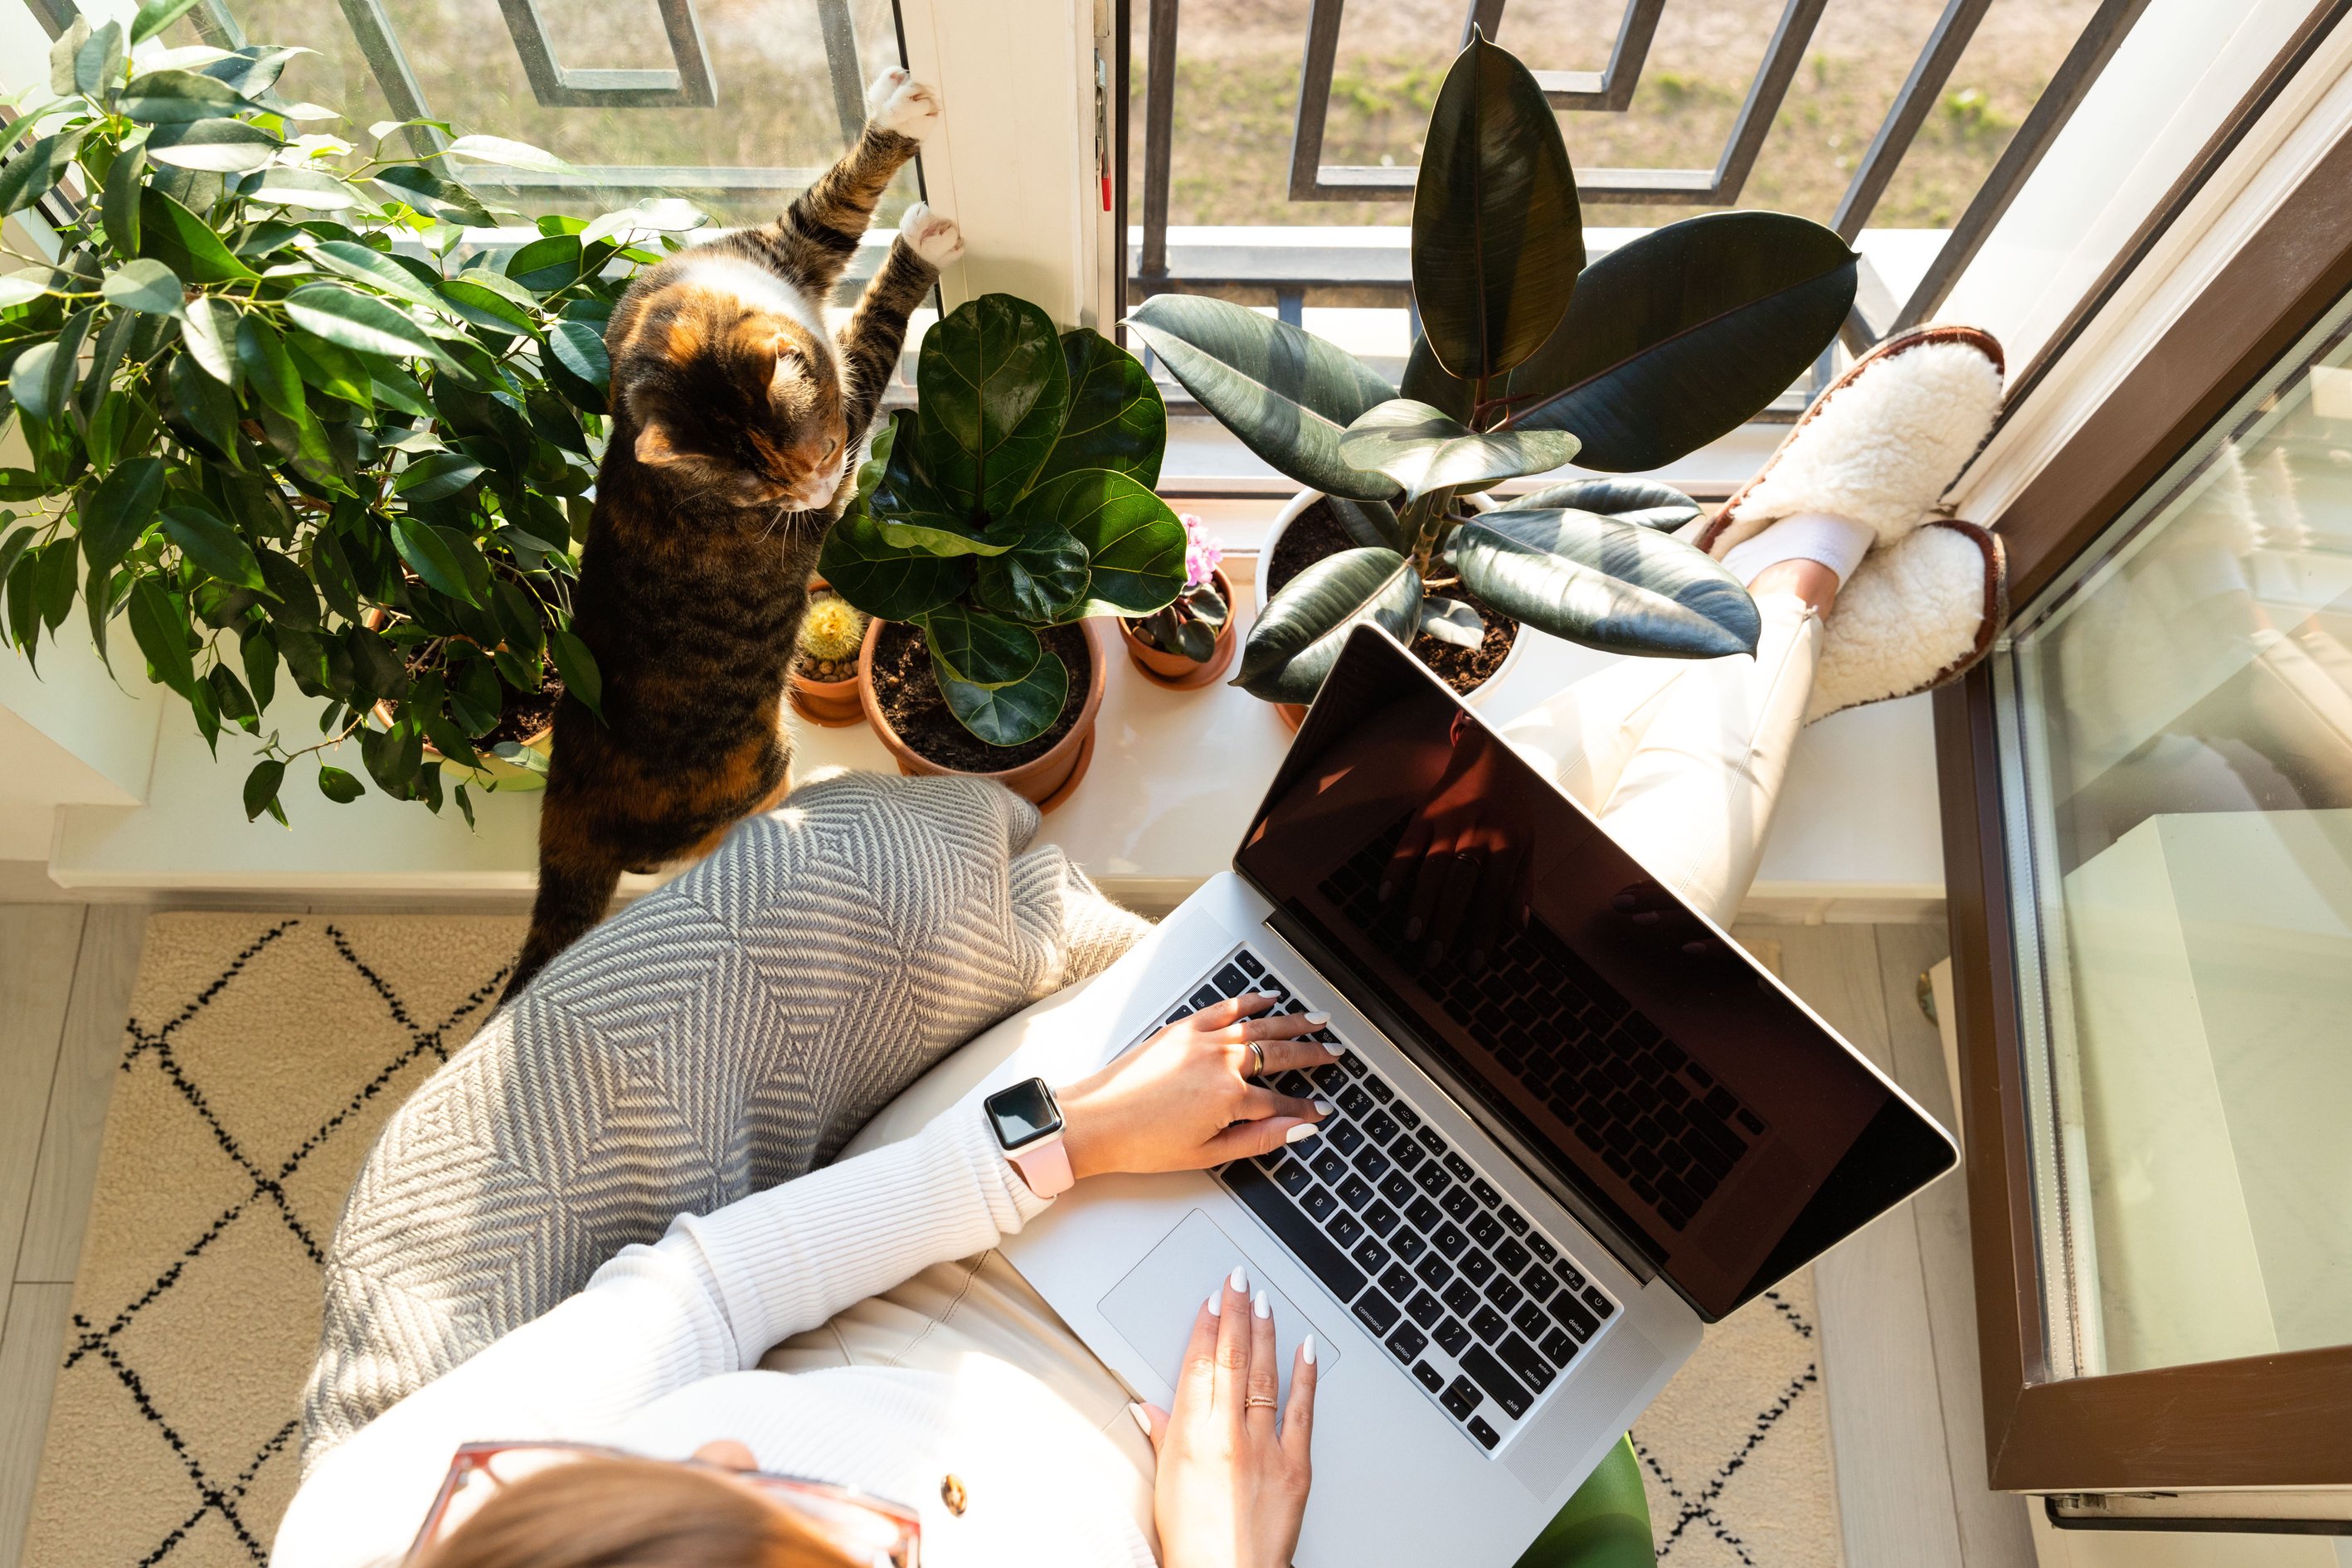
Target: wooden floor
{"type": "Point", "coordinates": [1899, 1327]}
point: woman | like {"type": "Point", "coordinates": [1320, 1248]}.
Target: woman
{"type": "Point", "coordinates": [851, 1323]}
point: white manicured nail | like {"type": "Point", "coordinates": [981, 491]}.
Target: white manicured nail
{"type": "Point", "coordinates": [1300, 1133]}
{"type": "Point", "coordinates": [1142, 1418]}
{"type": "Point", "coordinates": [1324, 1107]}
{"type": "Point", "coordinates": [1239, 1280]}
{"type": "Point", "coordinates": [1319, 1019]}
{"type": "Point", "coordinates": [1261, 1306]}
{"type": "Point", "coordinates": [1306, 1350]}
{"type": "Point", "coordinates": [1216, 1303]}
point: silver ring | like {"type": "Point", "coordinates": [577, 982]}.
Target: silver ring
{"type": "Point", "coordinates": [1257, 1400]}
{"type": "Point", "coordinates": [1258, 1052]}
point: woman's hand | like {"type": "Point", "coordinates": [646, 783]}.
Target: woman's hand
{"type": "Point", "coordinates": [1231, 1488]}
{"type": "Point", "coordinates": [1181, 1102]}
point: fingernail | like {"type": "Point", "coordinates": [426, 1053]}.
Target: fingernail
{"type": "Point", "coordinates": [1319, 1019]}
{"type": "Point", "coordinates": [1142, 1418]}
{"type": "Point", "coordinates": [1412, 929]}
{"type": "Point", "coordinates": [1239, 1280]}
{"type": "Point", "coordinates": [1324, 1107]}
{"type": "Point", "coordinates": [1386, 888]}
{"type": "Point", "coordinates": [1261, 1306]}
{"type": "Point", "coordinates": [1300, 1133]}
{"type": "Point", "coordinates": [1216, 1303]}
{"type": "Point", "coordinates": [1306, 1350]}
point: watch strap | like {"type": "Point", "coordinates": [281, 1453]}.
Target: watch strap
{"type": "Point", "coordinates": [1044, 1166]}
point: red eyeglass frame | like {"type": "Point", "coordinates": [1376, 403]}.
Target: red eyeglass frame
{"type": "Point", "coordinates": [820, 1503]}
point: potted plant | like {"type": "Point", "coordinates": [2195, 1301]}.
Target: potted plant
{"type": "Point", "coordinates": [993, 525]}
{"type": "Point", "coordinates": [282, 423]}
{"type": "Point", "coordinates": [1528, 359]}
{"type": "Point", "coordinates": [825, 662]}
{"type": "Point", "coordinates": [1189, 642]}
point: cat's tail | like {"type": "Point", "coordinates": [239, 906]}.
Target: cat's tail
{"type": "Point", "coordinates": [574, 890]}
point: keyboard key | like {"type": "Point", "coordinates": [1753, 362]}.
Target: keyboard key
{"type": "Point", "coordinates": [1295, 1085]}
{"type": "Point", "coordinates": [1407, 1342]}
{"type": "Point", "coordinates": [1531, 1321]}
{"type": "Point", "coordinates": [1249, 963]}
{"type": "Point", "coordinates": [1462, 1297]}
{"type": "Point", "coordinates": [1460, 1168]}
{"type": "Point", "coordinates": [1558, 1347]}
{"type": "Point", "coordinates": [1348, 1059]}
{"type": "Point", "coordinates": [1408, 1245]}
{"type": "Point", "coordinates": [1355, 1101]}
{"type": "Point", "coordinates": [1431, 1179]}
{"type": "Point", "coordinates": [1462, 1400]}
{"type": "Point", "coordinates": [1330, 1165]}
{"type": "Point", "coordinates": [1379, 1219]}
{"type": "Point", "coordinates": [1573, 1317]}
{"type": "Point", "coordinates": [1486, 1194]}
{"type": "Point", "coordinates": [1408, 1154]}
{"type": "Point", "coordinates": [1231, 982]}
{"type": "Point", "coordinates": [1488, 1324]}
{"type": "Point", "coordinates": [1203, 997]}
{"type": "Point", "coordinates": [1345, 1136]}
{"type": "Point", "coordinates": [1597, 1302]}
{"type": "Point", "coordinates": [1510, 1256]}
{"type": "Point", "coordinates": [1452, 1336]}
{"type": "Point", "coordinates": [1430, 1378]}
{"type": "Point", "coordinates": [1523, 1358]}
{"type": "Point", "coordinates": [1477, 1267]}
{"type": "Point", "coordinates": [1372, 1255]}
{"type": "Point", "coordinates": [1571, 1278]}
{"type": "Point", "coordinates": [1372, 1162]}
{"type": "Point", "coordinates": [1355, 1192]}
{"type": "Point", "coordinates": [1449, 1240]}
{"type": "Point", "coordinates": [1424, 1214]}
{"type": "Point", "coordinates": [1345, 1228]}
{"type": "Point", "coordinates": [1398, 1281]}
{"type": "Point", "coordinates": [1381, 1127]}
{"type": "Point", "coordinates": [1434, 1271]}
{"type": "Point", "coordinates": [1485, 1228]}
{"type": "Point", "coordinates": [1407, 1115]}
{"type": "Point", "coordinates": [1504, 1293]}
{"type": "Point", "coordinates": [1543, 1248]}
{"type": "Point", "coordinates": [1282, 1217]}
{"type": "Point", "coordinates": [1320, 1203]}
{"type": "Point", "coordinates": [1463, 1207]}
{"type": "Point", "coordinates": [1379, 1090]}
{"type": "Point", "coordinates": [1424, 1309]}
{"type": "Point", "coordinates": [1292, 1177]}
{"type": "Point", "coordinates": [1377, 1312]}
{"type": "Point", "coordinates": [1487, 1436]}
{"type": "Point", "coordinates": [1398, 1189]}
{"type": "Point", "coordinates": [1497, 1381]}
{"type": "Point", "coordinates": [1514, 1221]}
{"type": "Point", "coordinates": [1430, 1140]}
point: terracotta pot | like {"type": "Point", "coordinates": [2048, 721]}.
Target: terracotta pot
{"type": "Point", "coordinates": [1295, 713]}
{"type": "Point", "coordinates": [496, 772]}
{"type": "Point", "coordinates": [833, 704]}
{"type": "Point", "coordinates": [1047, 780]}
{"type": "Point", "coordinates": [1174, 670]}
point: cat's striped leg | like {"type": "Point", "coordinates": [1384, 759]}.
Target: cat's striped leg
{"type": "Point", "coordinates": [819, 232]}
{"type": "Point", "coordinates": [872, 338]}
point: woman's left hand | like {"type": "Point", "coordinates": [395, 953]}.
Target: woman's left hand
{"type": "Point", "coordinates": [1181, 1101]}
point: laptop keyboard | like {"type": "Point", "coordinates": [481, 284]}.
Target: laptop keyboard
{"type": "Point", "coordinates": [1661, 1122]}
{"type": "Point", "coordinates": [1484, 1309]}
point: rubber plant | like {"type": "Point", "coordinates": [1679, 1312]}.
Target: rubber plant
{"type": "Point", "coordinates": [282, 423]}
{"type": "Point", "coordinates": [1528, 359]}
{"type": "Point", "coordinates": [1015, 495]}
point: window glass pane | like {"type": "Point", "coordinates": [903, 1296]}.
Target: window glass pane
{"type": "Point", "coordinates": [2177, 731]}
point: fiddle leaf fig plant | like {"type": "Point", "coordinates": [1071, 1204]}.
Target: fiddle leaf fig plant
{"type": "Point", "coordinates": [1014, 497]}
{"type": "Point", "coordinates": [283, 427]}
{"type": "Point", "coordinates": [1528, 359]}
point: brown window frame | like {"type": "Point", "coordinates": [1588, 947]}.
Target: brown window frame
{"type": "Point", "coordinates": [2277, 1421]}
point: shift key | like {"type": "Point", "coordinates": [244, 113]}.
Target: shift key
{"type": "Point", "coordinates": [1496, 1380]}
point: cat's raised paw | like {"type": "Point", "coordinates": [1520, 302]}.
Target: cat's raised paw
{"type": "Point", "coordinates": [896, 101]}
{"type": "Point", "coordinates": [934, 238]}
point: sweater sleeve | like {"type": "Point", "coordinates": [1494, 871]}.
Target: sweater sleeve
{"type": "Point", "coordinates": [708, 1298]}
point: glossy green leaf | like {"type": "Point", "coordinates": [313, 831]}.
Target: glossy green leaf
{"type": "Point", "coordinates": [428, 192]}
{"type": "Point", "coordinates": [1287, 394]}
{"type": "Point", "coordinates": [338, 786]}
{"type": "Point", "coordinates": [1605, 583]}
{"type": "Point", "coordinates": [471, 296]}
{"type": "Point", "coordinates": [42, 379]}
{"type": "Point", "coordinates": [1009, 714]}
{"type": "Point", "coordinates": [98, 64]}
{"type": "Point", "coordinates": [1452, 621]}
{"type": "Point", "coordinates": [24, 286]}
{"type": "Point", "coordinates": [1039, 579]}
{"type": "Point", "coordinates": [205, 403]}
{"type": "Point", "coordinates": [577, 665]}
{"type": "Point", "coordinates": [1293, 645]}
{"type": "Point", "coordinates": [118, 511]}
{"type": "Point", "coordinates": [157, 14]}
{"type": "Point", "coordinates": [261, 788]}
{"type": "Point", "coordinates": [912, 512]}
{"type": "Point", "coordinates": [331, 368]}
{"type": "Point", "coordinates": [172, 96]}
{"type": "Point", "coordinates": [345, 316]}
{"type": "Point", "coordinates": [160, 622]}
{"type": "Point", "coordinates": [144, 285]}
{"type": "Point", "coordinates": [312, 190]}
{"type": "Point", "coordinates": [119, 198]}
{"type": "Point", "coordinates": [512, 155]}
{"type": "Point", "coordinates": [1134, 545]}
{"type": "Point", "coordinates": [1424, 450]}
{"type": "Point", "coordinates": [980, 649]}
{"type": "Point", "coordinates": [439, 475]}
{"type": "Point", "coordinates": [232, 701]}
{"type": "Point", "coordinates": [1643, 502]}
{"type": "Point", "coordinates": [1115, 419]}
{"type": "Point", "coordinates": [297, 600]}
{"type": "Point", "coordinates": [217, 146]}
{"type": "Point", "coordinates": [1685, 334]}
{"type": "Point", "coordinates": [55, 587]}
{"type": "Point", "coordinates": [428, 555]}
{"type": "Point", "coordinates": [268, 369]}
{"type": "Point", "coordinates": [1497, 238]}
{"type": "Point", "coordinates": [208, 327]}
{"type": "Point", "coordinates": [994, 389]}
{"type": "Point", "coordinates": [213, 546]}
{"type": "Point", "coordinates": [377, 270]}
{"type": "Point", "coordinates": [1374, 524]}
{"type": "Point", "coordinates": [546, 264]}
{"type": "Point", "coordinates": [185, 241]}
{"type": "Point", "coordinates": [33, 172]}
{"type": "Point", "coordinates": [882, 579]}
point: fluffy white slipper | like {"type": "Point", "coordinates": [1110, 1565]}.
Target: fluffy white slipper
{"type": "Point", "coordinates": [1880, 444]}
{"type": "Point", "coordinates": [1915, 614]}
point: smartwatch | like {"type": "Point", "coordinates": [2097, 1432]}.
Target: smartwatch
{"type": "Point", "coordinates": [1027, 1122]}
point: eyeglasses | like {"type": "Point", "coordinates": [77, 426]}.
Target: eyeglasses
{"type": "Point", "coordinates": [867, 1529]}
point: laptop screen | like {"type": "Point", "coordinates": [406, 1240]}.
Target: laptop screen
{"type": "Point", "coordinates": [1657, 1071]}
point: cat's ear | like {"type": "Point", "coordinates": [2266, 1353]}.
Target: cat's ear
{"type": "Point", "coordinates": [653, 448]}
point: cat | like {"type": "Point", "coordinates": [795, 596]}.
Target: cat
{"type": "Point", "coordinates": [734, 420]}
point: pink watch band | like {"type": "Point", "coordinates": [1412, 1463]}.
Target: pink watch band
{"type": "Point", "coordinates": [1046, 1167]}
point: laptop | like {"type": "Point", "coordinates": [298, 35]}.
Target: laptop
{"type": "Point", "coordinates": [1550, 1165]}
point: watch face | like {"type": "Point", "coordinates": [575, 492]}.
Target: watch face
{"type": "Point", "coordinates": [1024, 1114]}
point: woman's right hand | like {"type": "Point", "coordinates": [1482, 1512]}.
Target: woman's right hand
{"type": "Point", "coordinates": [1232, 1486]}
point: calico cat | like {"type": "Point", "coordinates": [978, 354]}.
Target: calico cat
{"type": "Point", "coordinates": [734, 420]}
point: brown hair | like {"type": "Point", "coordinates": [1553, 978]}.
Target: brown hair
{"type": "Point", "coordinates": [631, 1513]}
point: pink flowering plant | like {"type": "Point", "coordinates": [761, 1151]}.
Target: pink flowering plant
{"type": "Point", "coordinates": [1190, 625]}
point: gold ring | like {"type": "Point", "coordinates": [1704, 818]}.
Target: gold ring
{"type": "Point", "coordinates": [1258, 1052]}
{"type": "Point", "coordinates": [1256, 1400]}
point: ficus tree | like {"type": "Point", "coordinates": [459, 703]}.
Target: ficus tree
{"type": "Point", "coordinates": [1528, 359]}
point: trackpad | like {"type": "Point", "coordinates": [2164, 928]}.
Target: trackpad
{"type": "Point", "coordinates": [1154, 1305]}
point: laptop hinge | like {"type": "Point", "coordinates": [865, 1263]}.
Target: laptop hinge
{"type": "Point", "coordinates": [1407, 1039]}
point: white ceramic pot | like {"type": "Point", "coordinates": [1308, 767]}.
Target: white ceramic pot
{"type": "Point", "coordinates": [1306, 498]}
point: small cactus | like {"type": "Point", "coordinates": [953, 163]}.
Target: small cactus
{"type": "Point", "coordinates": [831, 630]}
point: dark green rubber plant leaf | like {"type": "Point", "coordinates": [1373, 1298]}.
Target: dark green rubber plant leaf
{"type": "Point", "coordinates": [1643, 502]}
{"type": "Point", "coordinates": [980, 649]}
{"type": "Point", "coordinates": [1009, 714]}
{"type": "Point", "coordinates": [1423, 449]}
{"type": "Point", "coordinates": [1497, 238]}
{"type": "Point", "coordinates": [1294, 644]}
{"type": "Point", "coordinates": [1685, 334]}
{"type": "Point", "coordinates": [1370, 523]}
{"type": "Point", "coordinates": [1605, 583]}
{"type": "Point", "coordinates": [1115, 419]}
{"type": "Point", "coordinates": [913, 513]}
{"type": "Point", "coordinates": [1133, 543]}
{"type": "Point", "coordinates": [993, 390]}
{"type": "Point", "coordinates": [1040, 579]}
{"type": "Point", "coordinates": [1286, 394]}
{"type": "Point", "coordinates": [880, 578]}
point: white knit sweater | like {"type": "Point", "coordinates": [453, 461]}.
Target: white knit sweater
{"type": "Point", "coordinates": [656, 1356]}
